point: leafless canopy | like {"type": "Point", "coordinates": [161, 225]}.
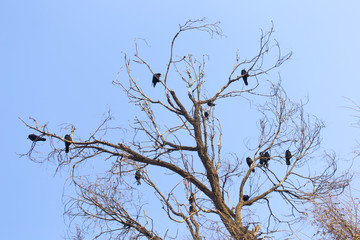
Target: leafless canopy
{"type": "Point", "coordinates": [337, 217]}
{"type": "Point", "coordinates": [178, 152]}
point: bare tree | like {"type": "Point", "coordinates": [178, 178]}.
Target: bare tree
{"type": "Point", "coordinates": [177, 139]}
{"type": "Point", "coordinates": [337, 217]}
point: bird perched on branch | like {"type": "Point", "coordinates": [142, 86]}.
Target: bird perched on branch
{"type": "Point", "coordinates": [138, 177]}
{"type": "Point", "coordinates": [206, 114]}
{"type": "Point", "coordinates": [246, 197]}
{"type": "Point", "coordinates": [264, 158]}
{"type": "Point", "coordinates": [191, 209]}
{"type": "Point", "coordinates": [288, 156]}
{"type": "Point", "coordinates": [156, 78]}
{"type": "Point", "coordinates": [192, 198]}
{"type": "Point", "coordinates": [249, 162]}
{"type": "Point", "coordinates": [36, 138]}
{"type": "Point", "coordinates": [67, 144]}
{"type": "Point", "coordinates": [211, 104]}
{"type": "Point", "coordinates": [245, 76]}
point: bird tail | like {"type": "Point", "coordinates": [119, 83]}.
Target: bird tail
{"type": "Point", "coordinates": [67, 149]}
{"type": "Point", "coordinates": [42, 139]}
{"type": "Point", "coordinates": [246, 82]}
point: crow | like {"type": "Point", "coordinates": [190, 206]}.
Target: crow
{"type": "Point", "coordinates": [249, 162]}
{"type": "Point", "coordinates": [288, 156]}
{"type": "Point", "coordinates": [211, 104]}
{"type": "Point", "coordinates": [266, 158]}
{"type": "Point", "coordinates": [191, 209]}
{"type": "Point", "coordinates": [36, 138]}
{"type": "Point", "coordinates": [245, 76]}
{"type": "Point", "coordinates": [138, 177]}
{"type": "Point", "coordinates": [191, 198]}
{"type": "Point", "coordinates": [206, 114]}
{"type": "Point", "coordinates": [67, 144]}
{"type": "Point", "coordinates": [156, 78]}
{"type": "Point", "coordinates": [246, 197]}
{"type": "Point", "coordinates": [262, 158]}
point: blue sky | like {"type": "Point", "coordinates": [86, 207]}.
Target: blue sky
{"type": "Point", "coordinates": [58, 60]}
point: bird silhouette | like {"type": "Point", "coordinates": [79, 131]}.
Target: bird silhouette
{"type": "Point", "coordinates": [246, 197]}
{"type": "Point", "coordinates": [262, 158]}
{"type": "Point", "coordinates": [67, 144]}
{"type": "Point", "coordinates": [36, 138]}
{"type": "Point", "coordinates": [191, 209]}
{"type": "Point", "coordinates": [266, 158]}
{"type": "Point", "coordinates": [288, 156]}
{"type": "Point", "coordinates": [245, 76]}
{"type": "Point", "coordinates": [211, 104]}
{"type": "Point", "coordinates": [156, 78]}
{"type": "Point", "coordinates": [191, 198]}
{"type": "Point", "coordinates": [206, 114]}
{"type": "Point", "coordinates": [138, 177]}
{"type": "Point", "coordinates": [249, 162]}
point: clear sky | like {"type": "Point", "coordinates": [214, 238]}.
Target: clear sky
{"type": "Point", "coordinates": [58, 60]}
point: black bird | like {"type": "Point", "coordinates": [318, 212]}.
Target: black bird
{"type": "Point", "coordinates": [36, 138]}
{"type": "Point", "coordinates": [156, 78]}
{"type": "Point", "coordinates": [206, 114]}
{"type": "Point", "coordinates": [191, 209]}
{"type": "Point", "coordinates": [249, 162]}
{"type": "Point", "coordinates": [262, 158]}
{"type": "Point", "coordinates": [138, 177]}
{"type": "Point", "coordinates": [288, 156]}
{"type": "Point", "coordinates": [67, 144]}
{"type": "Point", "coordinates": [266, 158]}
{"type": "Point", "coordinates": [191, 198]}
{"type": "Point", "coordinates": [211, 104]}
{"type": "Point", "coordinates": [246, 197]}
{"type": "Point", "coordinates": [245, 76]}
